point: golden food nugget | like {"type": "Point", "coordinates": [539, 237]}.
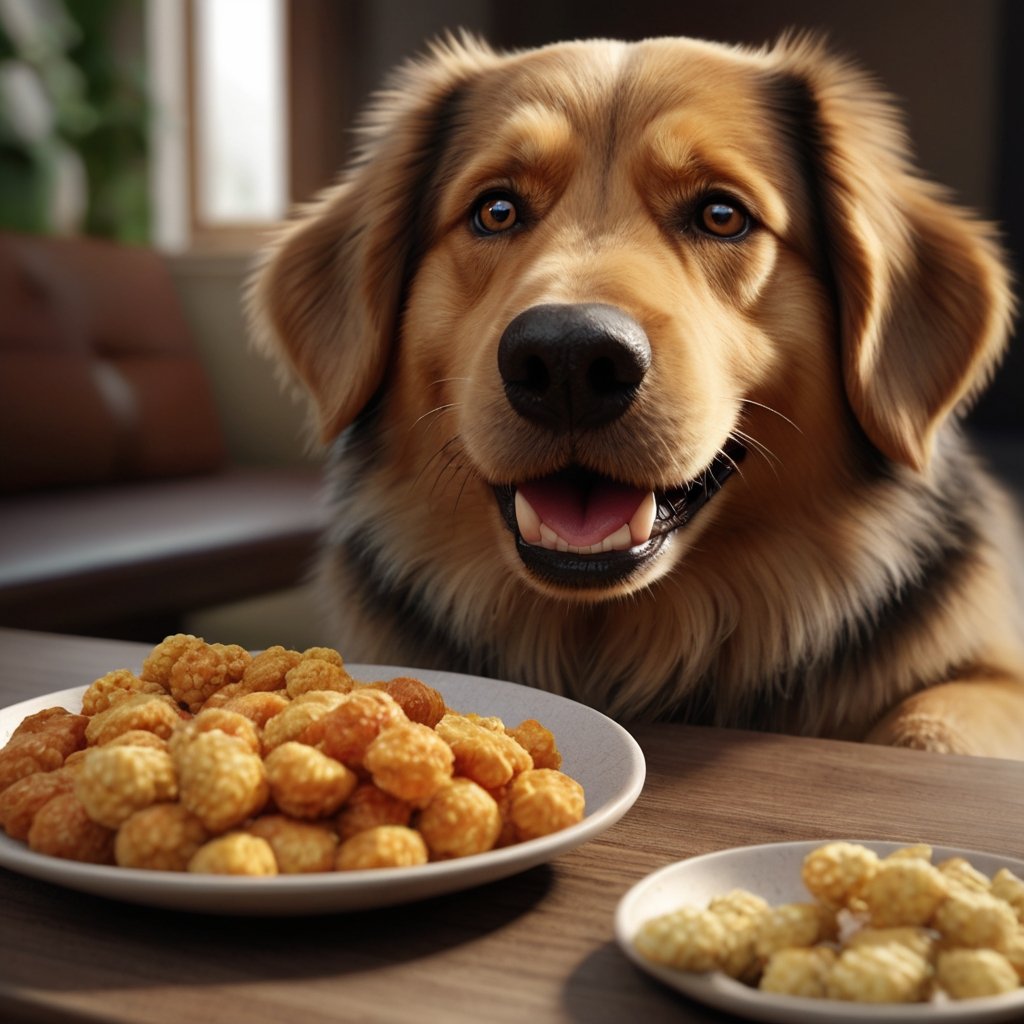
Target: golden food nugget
{"type": "Point", "coordinates": [543, 801]}
{"type": "Point", "coordinates": [743, 913]}
{"type": "Point", "coordinates": [112, 687]}
{"type": "Point", "coordinates": [889, 973]}
{"type": "Point", "coordinates": [538, 742]}
{"type": "Point", "coordinates": [237, 853]}
{"type": "Point", "coordinates": [231, 723]}
{"type": "Point", "coordinates": [975, 920]}
{"type": "Point", "coordinates": [220, 780]}
{"type": "Point", "coordinates": [268, 670]}
{"type": "Point", "coordinates": [971, 973]}
{"type": "Point", "coordinates": [352, 725]}
{"type": "Point", "coordinates": [490, 757]}
{"type": "Point", "coordinates": [200, 672]}
{"type": "Point", "coordinates": [148, 712]}
{"type": "Point", "coordinates": [410, 761]}
{"type": "Point", "coordinates": [798, 971]}
{"type": "Point", "coordinates": [960, 873]}
{"type": "Point", "coordinates": [324, 654]}
{"type": "Point", "coordinates": [835, 872]}
{"type": "Point", "coordinates": [21, 801]}
{"type": "Point", "coordinates": [368, 807]}
{"type": "Point", "coordinates": [116, 781]}
{"type": "Point", "coordinates": [317, 674]}
{"type": "Point", "coordinates": [63, 828]}
{"type": "Point", "coordinates": [1007, 886]}
{"type": "Point", "coordinates": [794, 924]}
{"type": "Point", "coordinates": [162, 837]}
{"type": "Point", "coordinates": [259, 708]}
{"type": "Point", "coordinates": [156, 668]}
{"type": "Point", "coordinates": [461, 819]}
{"type": "Point", "coordinates": [300, 847]}
{"type": "Point", "coordinates": [688, 939]}
{"type": "Point", "coordinates": [306, 783]}
{"type": "Point", "coordinates": [40, 743]}
{"type": "Point", "coordinates": [918, 940]}
{"type": "Point", "coordinates": [903, 892]}
{"type": "Point", "coordinates": [295, 721]}
{"type": "Point", "coordinates": [132, 738]}
{"type": "Point", "coordinates": [421, 703]}
{"type": "Point", "coordinates": [385, 846]}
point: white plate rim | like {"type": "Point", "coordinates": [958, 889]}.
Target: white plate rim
{"type": "Point", "coordinates": [717, 990]}
{"type": "Point", "coordinates": [335, 892]}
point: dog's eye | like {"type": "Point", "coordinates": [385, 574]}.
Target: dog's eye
{"type": "Point", "coordinates": [494, 214]}
{"type": "Point", "coordinates": [723, 218]}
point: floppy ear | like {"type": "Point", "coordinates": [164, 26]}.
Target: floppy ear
{"type": "Point", "coordinates": [328, 291]}
{"type": "Point", "coordinates": [923, 294]}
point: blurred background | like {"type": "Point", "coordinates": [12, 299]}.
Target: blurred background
{"type": "Point", "coordinates": [154, 475]}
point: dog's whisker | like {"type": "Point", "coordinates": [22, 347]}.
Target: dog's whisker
{"type": "Point", "coordinates": [774, 412]}
{"type": "Point", "coordinates": [439, 453]}
{"type": "Point", "coordinates": [436, 413]}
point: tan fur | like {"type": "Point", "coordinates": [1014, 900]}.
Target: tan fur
{"type": "Point", "coordinates": [852, 579]}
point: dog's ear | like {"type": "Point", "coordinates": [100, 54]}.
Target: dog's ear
{"type": "Point", "coordinates": [923, 296]}
{"type": "Point", "coordinates": [327, 292]}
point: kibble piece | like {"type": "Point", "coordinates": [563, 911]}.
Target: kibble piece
{"type": "Point", "coordinates": [461, 819]}
{"type": "Point", "coordinates": [799, 972]}
{"type": "Point", "coordinates": [688, 939]}
{"type": "Point", "coordinates": [237, 853]}
{"type": "Point", "coordinates": [317, 674]}
{"type": "Point", "coordinates": [879, 974]}
{"type": "Point", "coordinates": [163, 837]}
{"type": "Point", "coordinates": [324, 654]}
{"type": "Point", "coordinates": [1007, 886]}
{"type": "Point", "coordinates": [158, 663]}
{"type": "Point", "coordinates": [299, 847]}
{"type": "Point", "coordinates": [21, 801]}
{"type": "Point", "coordinates": [220, 780]}
{"type": "Point", "coordinates": [918, 940]}
{"type": "Point", "coordinates": [539, 742]}
{"type": "Point", "coordinates": [352, 725]}
{"type": "Point", "coordinates": [543, 801]}
{"type": "Point", "coordinates": [793, 925]}
{"type": "Point", "coordinates": [368, 807]}
{"type": "Point", "coordinates": [268, 670]}
{"type": "Point", "coordinates": [488, 756]}
{"type": "Point", "coordinates": [904, 892]}
{"type": "Point", "coordinates": [972, 973]}
{"type": "Point", "coordinates": [148, 712]}
{"type": "Point", "coordinates": [421, 703]}
{"type": "Point", "coordinates": [63, 828]}
{"type": "Point", "coordinates": [975, 920]}
{"type": "Point", "coordinates": [201, 671]}
{"type": "Point", "coordinates": [743, 913]}
{"type": "Point", "coordinates": [40, 743]}
{"type": "Point", "coordinates": [106, 691]}
{"type": "Point", "coordinates": [836, 872]}
{"type": "Point", "coordinates": [295, 721]}
{"type": "Point", "coordinates": [259, 708]}
{"type": "Point", "coordinates": [231, 723]}
{"type": "Point", "coordinates": [386, 846]}
{"type": "Point", "coordinates": [960, 873]}
{"type": "Point", "coordinates": [410, 761]}
{"type": "Point", "coordinates": [116, 781]}
{"type": "Point", "coordinates": [306, 783]}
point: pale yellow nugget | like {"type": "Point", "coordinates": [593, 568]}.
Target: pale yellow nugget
{"type": "Point", "coordinates": [542, 801]}
{"type": "Point", "coordinates": [688, 939]}
{"type": "Point", "coordinates": [903, 892]}
{"type": "Point", "coordinates": [311, 674]}
{"type": "Point", "coordinates": [835, 873]}
{"type": "Point", "coordinates": [149, 712]}
{"type": "Point", "coordinates": [220, 780]}
{"type": "Point", "coordinates": [794, 925]}
{"type": "Point", "coordinates": [229, 722]}
{"type": "Point", "coordinates": [889, 973]}
{"type": "Point", "coordinates": [918, 940]}
{"type": "Point", "coordinates": [368, 807]}
{"type": "Point", "coordinates": [461, 819]}
{"type": "Point", "coordinates": [799, 972]}
{"type": "Point", "coordinates": [112, 687]}
{"type": "Point", "coordinates": [293, 721]}
{"type": "Point", "coordinates": [116, 781]}
{"type": "Point", "coordinates": [485, 755]}
{"type": "Point", "coordinates": [258, 707]}
{"type": "Point", "coordinates": [961, 873]}
{"type": "Point", "coordinates": [306, 783]}
{"type": "Point", "coordinates": [975, 920]}
{"type": "Point", "coordinates": [973, 973]}
{"type": "Point", "coordinates": [162, 837]}
{"type": "Point", "coordinates": [1007, 886]}
{"type": "Point", "coordinates": [1014, 952]}
{"type": "Point", "coordinates": [410, 761]}
{"type": "Point", "coordinates": [385, 846]}
{"type": "Point", "coordinates": [237, 853]}
{"type": "Point", "coordinates": [299, 847]}
{"type": "Point", "coordinates": [919, 851]}
{"type": "Point", "coordinates": [742, 912]}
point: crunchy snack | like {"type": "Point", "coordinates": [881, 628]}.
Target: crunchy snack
{"type": "Point", "coordinates": [538, 742]}
{"type": "Point", "coordinates": [299, 846]}
{"type": "Point", "coordinates": [317, 674]}
{"type": "Point", "coordinates": [22, 800]}
{"type": "Point", "coordinates": [385, 846]}
{"type": "Point", "coordinates": [148, 712]}
{"type": "Point", "coordinates": [461, 819]}
{"type": "Point", "coordinates": [306, 783]}
{"type": "Point", "coordinates": [352, 725]}
{"type": "Point", "coordinates": [1007, 886]}
{"type": "Point", "coordinates": [258, 707]}
{"type": "Point", "coordinates": [892, 930]}
{"type": "Point", "coordinates": [368, 807]}
{"type": "Point", "coordinates": [421, 703]}
{"type": "Point", "coordinates": [115, 781]}
{"type": "Point", "coordinates": [542, 801]}
{"type": "Point", "coordinates": [488, 756]}
{"type": "Point", "coordinates": [41, 743]}
{"type": "Point", "coordinates": [162, 837]}
{"type": "Point", "coordinates": [410, 761]}
{"type": "Point", "coordinates": [295, 720]}
{"type": "Point", "coordinates": [201, 671]}
{"type": "Point", "coordinates": [112, 687]}
{"type": "Point", "coordinates": [62, 828]}
{"type": "Point", "coordinates": [237, 853]}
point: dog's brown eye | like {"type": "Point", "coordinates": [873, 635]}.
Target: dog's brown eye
{"type": "Point", "coordinates": [723, 218]}
{"type": "Point", "coordinates": [495, 214]}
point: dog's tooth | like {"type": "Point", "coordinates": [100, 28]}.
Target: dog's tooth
{"type": "Point", "coordinates": [548, 538]}
{"type": "Point", "coordinates": [620, 540]}
{"type": "Point", "coordinates": [642, 523]}
{"type": "Point", "coordinates": [527, 520]}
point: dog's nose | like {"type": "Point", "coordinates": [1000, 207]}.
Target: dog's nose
{"type": "Point", "coordinates": [573, 366]}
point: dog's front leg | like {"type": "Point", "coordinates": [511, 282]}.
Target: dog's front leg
{"type": "Point", "coordinates": [983, 717]}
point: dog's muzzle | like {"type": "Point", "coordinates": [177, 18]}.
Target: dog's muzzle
{"type": "Point", "coordinates": [576, 368]}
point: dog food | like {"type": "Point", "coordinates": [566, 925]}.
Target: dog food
{"type": "Point", "coordinates": [213, 760]}
{"type": "Point", "coordinates": [897, 929]}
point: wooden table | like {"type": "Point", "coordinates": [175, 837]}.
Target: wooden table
{"type": "Point", "coordinates": [535, 947]}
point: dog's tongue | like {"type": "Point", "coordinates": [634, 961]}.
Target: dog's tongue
{"type": "Point", "coordinates": [582, 513]}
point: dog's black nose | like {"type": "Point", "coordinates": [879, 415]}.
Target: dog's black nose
{"type": "Point", "coordinates": [573, 366]}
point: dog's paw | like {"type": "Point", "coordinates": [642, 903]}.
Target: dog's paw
{"type": "Point", "coordinates": [920, 731]}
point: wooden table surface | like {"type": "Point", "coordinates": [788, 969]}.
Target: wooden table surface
{"type": "Point", "coordinates": [535, 947]}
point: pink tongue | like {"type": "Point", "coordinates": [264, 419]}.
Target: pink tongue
{"type": "Point", "coordinates": [582, 515]}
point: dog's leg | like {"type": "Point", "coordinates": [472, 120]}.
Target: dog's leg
{"type": "Point", "coordinates": [983, 717]}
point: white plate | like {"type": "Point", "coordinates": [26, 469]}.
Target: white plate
{"type": "Point", "coordinates": [596, 751]}
{"type": "Point", "coordinates": [772, 871]}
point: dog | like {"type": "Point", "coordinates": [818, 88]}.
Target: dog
{"type": "Point", "coordinates": [642, 369]}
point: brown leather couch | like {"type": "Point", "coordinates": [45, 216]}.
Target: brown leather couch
{"type": "Point", "coordinates": [120, 510]}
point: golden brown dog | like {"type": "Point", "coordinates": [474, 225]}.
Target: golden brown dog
{"type": "Point", "coordinates": [644, 364]}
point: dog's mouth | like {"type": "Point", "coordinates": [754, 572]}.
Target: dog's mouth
{"type": "Point", "coordinates": [579, 529]}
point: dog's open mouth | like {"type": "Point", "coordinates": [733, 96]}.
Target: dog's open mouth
{"type": "Point", "coordinates": [578, 529]}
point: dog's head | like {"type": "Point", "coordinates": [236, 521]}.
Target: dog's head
{"type": "Point", "coordinates": [580, 283]}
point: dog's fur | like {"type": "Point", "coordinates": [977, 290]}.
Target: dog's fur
{"type": "Point", "coordinates": [853, 578]}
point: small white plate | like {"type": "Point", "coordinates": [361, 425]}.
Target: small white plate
{"type": "Point", "coordinates": [597, 752]}
{"type": "Point", "coordinates": [772, 871]}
